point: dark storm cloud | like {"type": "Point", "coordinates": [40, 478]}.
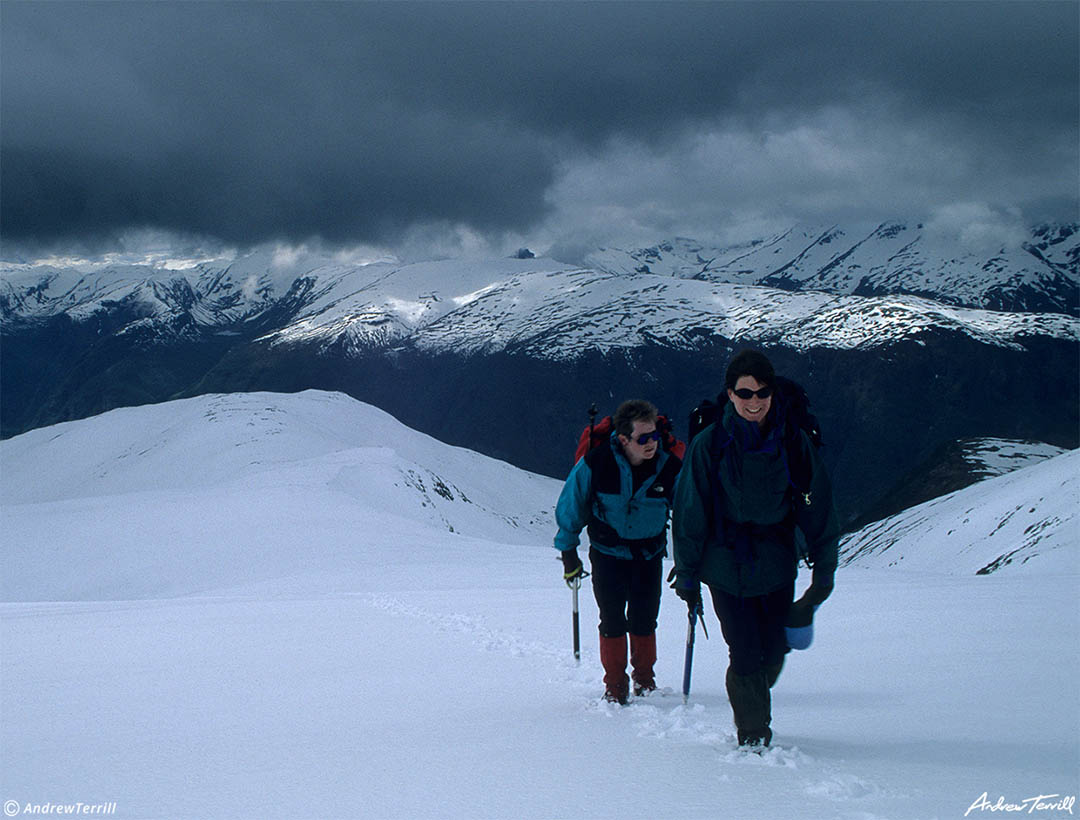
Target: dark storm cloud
{"type": "Point", "coordinates": [355, 121]}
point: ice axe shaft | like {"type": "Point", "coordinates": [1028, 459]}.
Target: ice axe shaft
{"type": "Point", "coordinates": [688, 663]}
{"type": "Point", "coordinates": [574, 586]}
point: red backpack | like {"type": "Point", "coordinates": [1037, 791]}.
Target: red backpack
{"type": "Point", "coordinates": [596, 433]}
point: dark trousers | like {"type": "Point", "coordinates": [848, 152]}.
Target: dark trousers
{"type": "Point", "coordinates": [754, 627]}
{"type": "Point", "coordinates": [627, 593]}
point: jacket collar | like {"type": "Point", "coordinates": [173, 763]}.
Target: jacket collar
{"type": "Point", "coordinates": [748, 435]}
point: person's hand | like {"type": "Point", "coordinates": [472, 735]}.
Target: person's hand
{"type": "Point", "coordinates": [801, 614]}
{"type": "Point", "coordinates": [572, 566]}
{"type": "Point", "coordinates": [802, 610]}
{"type": "Point", "coordinates": [820, 588]}
{"type": "Point", "coordinates": [692, 596]}
{"type": "Point", "coordinates": [687, 590]}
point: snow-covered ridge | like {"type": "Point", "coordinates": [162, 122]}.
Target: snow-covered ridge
{"type": "Point", "coordinates": [535, 306]}
{"type": "Point", "coordinates": [1027, 520]}
{"type": "Point", "coordinates": [560, 314]}
{"type": "Point", "coordinates": [1041, 273]}
{"type": "Point", "coordinates": [327, 470]}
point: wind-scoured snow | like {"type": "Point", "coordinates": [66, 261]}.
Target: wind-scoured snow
{"type": "Point", "coordinates": [1027, 520]}
{"type": "Point", "coordinates": [269, 605]}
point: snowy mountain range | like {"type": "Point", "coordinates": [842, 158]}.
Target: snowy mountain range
{"type": "Point", "coordinates": [471, 350]}
{"type": "Point", "coordinates": [539, 307]}
{"type": "Point", "coordinates": [311, 610]}
{"type": "Point", "coordinates": [1040, 274]}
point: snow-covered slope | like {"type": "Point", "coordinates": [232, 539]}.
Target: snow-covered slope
{"type": "Point", "coordinates": [293, 484]}
{"type": "Point", "coordinates": [1027, 520]}
{"type": "Point", "coordinates": [1039, 274]}
{"type": "Point", "coordinates": [271, 606]}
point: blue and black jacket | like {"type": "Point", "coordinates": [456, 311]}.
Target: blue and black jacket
{"type": "Point", "coordinates": [599, 495]}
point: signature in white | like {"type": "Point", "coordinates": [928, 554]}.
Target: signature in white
{"type": "Point", "coordinates": [1043, 802]}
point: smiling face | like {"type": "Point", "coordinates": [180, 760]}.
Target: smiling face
{"type": "Point", "coordinates": [754, 408]}
{"type": "Point", "coordinates": [636, 452]}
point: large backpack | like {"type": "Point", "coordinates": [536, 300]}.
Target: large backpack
{"type": "Point", "coordinates": [798, 418]}
{"type": "Point", "coordinates": [597, 432]}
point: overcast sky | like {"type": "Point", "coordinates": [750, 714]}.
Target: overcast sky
{"type": "Point", "coordinates": [449, 128]}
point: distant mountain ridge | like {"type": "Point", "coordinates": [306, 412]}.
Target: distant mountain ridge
{"type": "Point", "coordinates": [1039, 274]}
{"type": "Point", "coordinates": [483, 352]}
{"type": "Point", "coordinates": [538, 307]}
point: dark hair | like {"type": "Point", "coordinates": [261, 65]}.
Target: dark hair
{"type": "Point", "coordinates": [749, 363]}
{"type": "Point", "coordinates": [631, 411]}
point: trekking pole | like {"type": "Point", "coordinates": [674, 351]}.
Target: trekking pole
{"type": "Point", "coordinates": [688, 663]}
{"type": "Point", "coordinates": [575, 585]}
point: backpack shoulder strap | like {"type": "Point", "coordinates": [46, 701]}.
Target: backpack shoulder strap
{"type": "Point", "coordinates": [720, 439]}
{"type": "Point", "coordinates": [800, 470]}
{"type": "Point", "coordinates": [605, 470]}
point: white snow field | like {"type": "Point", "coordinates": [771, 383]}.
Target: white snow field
{"type": "Point", "coordinates": [262, 605]}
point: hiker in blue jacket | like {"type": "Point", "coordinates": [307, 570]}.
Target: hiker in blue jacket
{"type": "Point", "coordinates": [622, 491]}
{"type": "Point", "coordinates": [736, 511]}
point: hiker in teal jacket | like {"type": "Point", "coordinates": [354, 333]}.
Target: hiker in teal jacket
{"type": "Point", "coordinates": [735, 515]}
{"type": "Point", "coordinates": [622, 491]}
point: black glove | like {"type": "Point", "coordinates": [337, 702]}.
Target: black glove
{"type": "Point", "coordinates": [802, 610]}
{"type": "Point", "coordinates": [689, 591]}
{"type": "Point", "coordinates": [801, 614]}
{"type": "Point", "coordinates": [820, 588]}
{"type": "Point", "coordinates": [572, 566]}
{"type": "Point", "coordinates": [692, 596]}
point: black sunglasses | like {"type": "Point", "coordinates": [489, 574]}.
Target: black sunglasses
{"type": "Point", "coordinates": [645, 438]}
{"type": "Point", "coordinates": [745, 393]}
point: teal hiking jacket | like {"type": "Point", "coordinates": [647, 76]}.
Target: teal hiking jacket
{"type": "Point", "coordinates": [599, 495]}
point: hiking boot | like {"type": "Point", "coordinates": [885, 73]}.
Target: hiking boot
{"type": "Point", "coordinates": [642, 659]}
{"type": "Point", "coordinates": [755, 740]}
{"type": "Point", "coordinates": [617, 695]}
{"type": "Point", "coordinates": [613, 658]}
{"type": "Point", "coordinates": [751, 706]}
